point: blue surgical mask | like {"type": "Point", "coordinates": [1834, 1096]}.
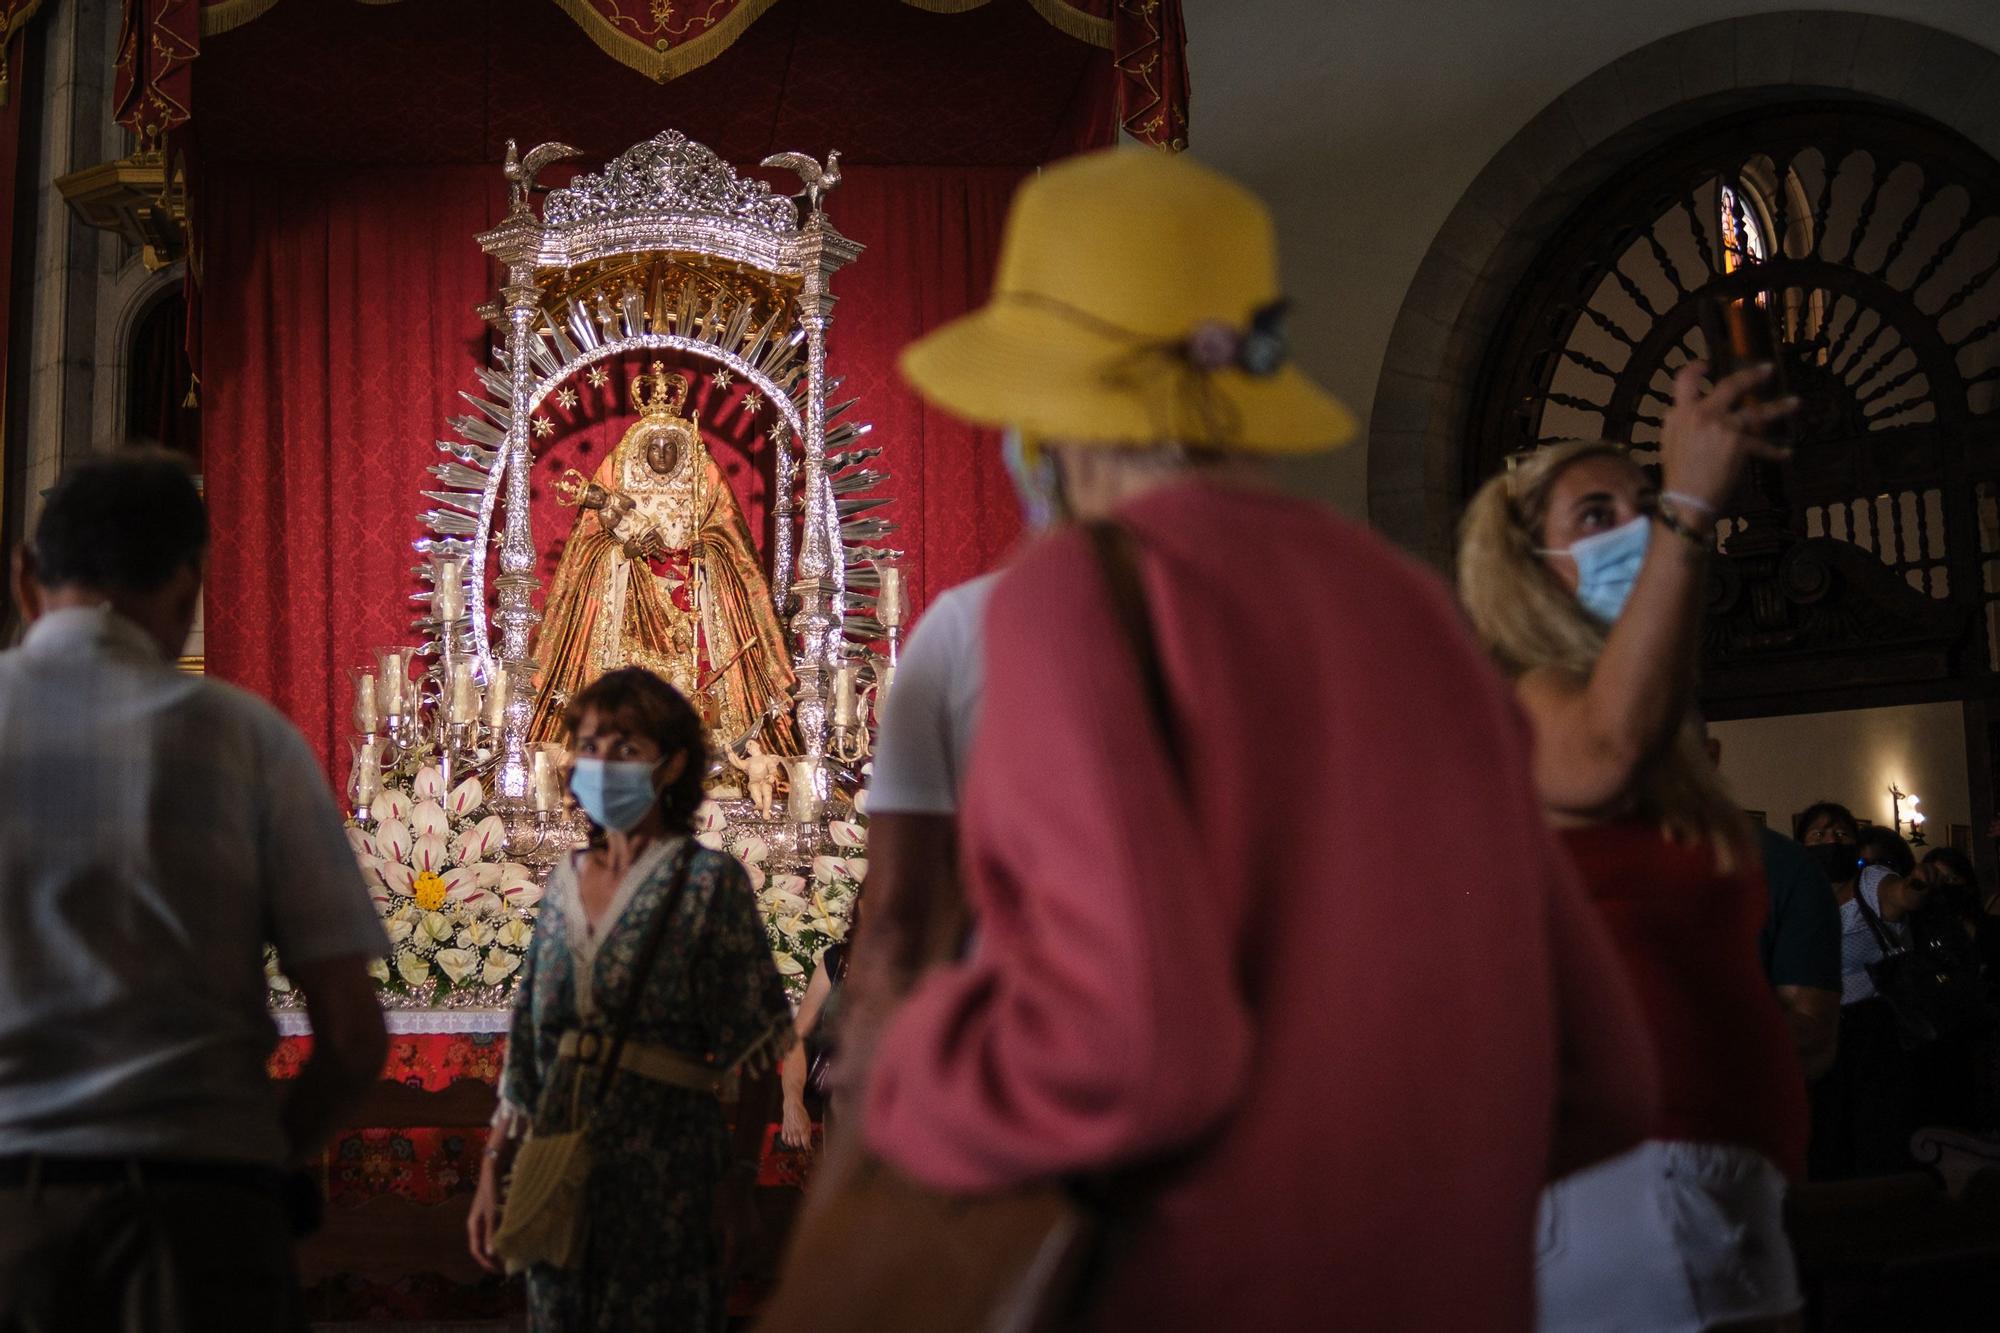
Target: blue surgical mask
{"type": "Point", "coordinates": [615, 793]}
{"type": "Point", "coordinates": [1034, 476]}
{"type": "Point", "coordinates": [1607, 566]}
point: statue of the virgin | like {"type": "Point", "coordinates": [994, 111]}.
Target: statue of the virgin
{"type": "Point", "coordinates": [660, 571]}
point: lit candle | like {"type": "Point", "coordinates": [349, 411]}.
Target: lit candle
{"type": "Point", "coordinates": [885, 676]}
{"type": "Point", "coordinates": [547, 781]}
{"type": "Point", "coordinates": [846, 704]}
{"type": "Point", "coordinates": [367, 713]}
{"type": "Point", "coordinates": [462, 699]}
{"type": "Point", "coordinates": [889, 603]}
{"type": "Point", "coordinates": [498, 690]}
{"type": "Point", "coordinates": [448, 589]}
{"type": "Point", "coordinates": [367, 781]}
{"type": "Point", "coordinates": [393, 681]}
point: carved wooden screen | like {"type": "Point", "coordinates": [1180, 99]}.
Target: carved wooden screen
{"type": "Point", "coordinates": [1867, 570]}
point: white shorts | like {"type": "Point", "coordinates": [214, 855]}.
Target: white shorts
{"type": "Point", "coordinates": [1670, 1237]}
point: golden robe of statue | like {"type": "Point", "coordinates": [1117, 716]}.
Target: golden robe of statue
{"type": "Point", "coordinates": [660, 571]}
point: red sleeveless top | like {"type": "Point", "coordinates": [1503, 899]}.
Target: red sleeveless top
{"type": "Point", "coordinates": [1688, 937]}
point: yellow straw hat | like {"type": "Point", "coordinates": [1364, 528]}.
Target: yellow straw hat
{"type": "Point", "coordinates": [1137, 303]}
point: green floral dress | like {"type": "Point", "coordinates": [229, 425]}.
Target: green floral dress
{"type": "Point", "coordinates": [658, 1151]}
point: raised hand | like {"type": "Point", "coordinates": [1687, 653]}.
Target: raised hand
{"type": "Point", "coordinates": [1708, 438]}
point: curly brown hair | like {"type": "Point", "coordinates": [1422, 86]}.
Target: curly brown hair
{"type": "Point", "coordinates": [641, 704]}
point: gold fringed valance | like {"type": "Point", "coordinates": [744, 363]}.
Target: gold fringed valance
{"type": "Point", "coordinates": [664, 42]}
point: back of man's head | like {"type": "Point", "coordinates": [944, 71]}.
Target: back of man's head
{"type": "Point", "coordinates": [123, 523]}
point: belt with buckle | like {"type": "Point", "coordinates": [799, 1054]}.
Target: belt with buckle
{"type": "Point", "coordinates": [658, 1064]}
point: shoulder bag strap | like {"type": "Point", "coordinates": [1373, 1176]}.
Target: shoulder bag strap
{"type": "Point", "coordinates": [1117, 552]}
{"type": "Point", "coordinates": [649, 949]}
{"type": "Point", "coordinates": [1875, 924]}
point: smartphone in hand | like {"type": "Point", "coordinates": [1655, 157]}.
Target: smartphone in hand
{"type": "Point", "coordinates": [1742, 333]}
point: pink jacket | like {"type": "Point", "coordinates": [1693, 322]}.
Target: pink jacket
{"type": "Point", "coordinates": [1348, 957]}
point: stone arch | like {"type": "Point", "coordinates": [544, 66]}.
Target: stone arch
{"type": "Point", "coordinates": [1418, 428]}
{"type": "Point", "coordinates": [131, 297]}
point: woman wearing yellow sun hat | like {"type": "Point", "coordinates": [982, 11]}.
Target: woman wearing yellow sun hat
{"type": "Point", "coordinates": [1199, 700]}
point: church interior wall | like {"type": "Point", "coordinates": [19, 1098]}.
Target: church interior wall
{"type": "Point", "coordinates": [1780, 765]}
{"type": "Point", "coordinates": [1364, 125]}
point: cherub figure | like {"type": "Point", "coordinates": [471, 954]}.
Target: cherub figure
{"type": "Point", "coordinates": [760, 773]}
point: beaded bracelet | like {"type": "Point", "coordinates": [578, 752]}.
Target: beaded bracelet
{"type": "Point", "coordinates": [1670, 518]}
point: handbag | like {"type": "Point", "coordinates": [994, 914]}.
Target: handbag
{"type": "Point", "coordinates": [1927, 989]}
{"type": "Point", "coordinates": [876, 1249]}
{"type": "Point", "coordinates": [543, 1219]}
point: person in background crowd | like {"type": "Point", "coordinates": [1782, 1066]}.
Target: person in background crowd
{"type": "Point", "coordinates": [1883, 846]}
{"type": "Point", "coordinates": [808, 1093]}
{"type": "Point", "coordinates": [1828, 823]}
{"type": "Point", "coordinates": [1154, 976]}
{"type": "Point", "coordinates": [1861, 1110]}
{"type": "Point", "coordinates": [1799, 945]}
{"type": "Point", "coordinates": [159, 828]}
{"type": "Point", "coordinates": [1956, 1080]}
{"type": "Point", "coordinates": [1953, 887]}
{"type": "Point", "coordinates": [1586, 586]}
{"type": "Point", "coordinates": [710, 1005]}
{"type": "Point", "coordinates": [921, 754]}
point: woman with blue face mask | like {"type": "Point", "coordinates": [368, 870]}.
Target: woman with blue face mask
{"type": "Point", "coordinates": [647, 931]}
{"type": "Point", "coordinates": [1586, 585]}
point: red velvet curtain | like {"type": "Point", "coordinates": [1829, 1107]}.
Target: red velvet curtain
{"type": "Point", "coordinates": [338, 329]}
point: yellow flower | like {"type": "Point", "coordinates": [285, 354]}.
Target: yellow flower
{"type": "Point", "coordinates": [429, 890]}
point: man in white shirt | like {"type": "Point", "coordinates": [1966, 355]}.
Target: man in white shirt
{"type": "Point", "coordinates": [159, 829]}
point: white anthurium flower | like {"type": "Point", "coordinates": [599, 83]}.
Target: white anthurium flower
{"type": "Point", "coordinates": [830, 926]}
{"type": "Point", "coordinates": [750, 849]}
{"type": "Point", "coordinates": [519, 889]}
{"type": "Point", "coordinates": [790, 923]}
{"type": "Point", "coordinates": [789, 966]}
{"type": "Point", "coordinates": [795, 885]}
{"type": "Point", "coordinates": [475, 934]}
{"type": "Point", "coordinates": [490, 873]}
{"type": "Point", "coordinates": [378, 968]}
{"type": "Point", "coordinates": [357, 838]}
{"type": "Point", "coordinates": [499, 966]}
{"type": "Point", "coordinates": [861, 801]}
{"type": "Point", "coordinates": [414, 970]}
{"type": "Point", "coordinates": [712, 841]}
{"type": "Point", "coordinates": [396, 877]}
{"type": "Point", "coordinates": [390, 806]}
{"type": "Point", "coordinates": [708, 818]}
{"type": "Point", "coordinates": [409, 912]}
{"type": "Point", "coordinates": [428, 820]}
{"type": "Point", "coordinates": [429, 785]}
{"type": "Point", "coordinates": [436, 926]}
{"type": "Point", "coordinates": [826, 869]}
{"type": "Point", "coordinates": [457, 964]}
{"type": "Point", "coordinates": [847, 834]}
{"type": "Point", "coordinates": [430, 853]}
{"type": "Point", "coordinates": [756, 874]}
{"type": "Point", "coordinates": [462, 887]}
{"type": "Point", "coordinates": [514, 934]}
{"type": "Point", "coordinates": [857, 868]}
{"type": "Point", "coordinates": [399, 929]}
{"type": "Point", "coordinates": [466, 797]}
{"type": "Point", "coordinates": [392, 840]}
{"type": "Point", "coordinates": [783, 900]}
{"type": "Point", "coordinates": [482, 839]}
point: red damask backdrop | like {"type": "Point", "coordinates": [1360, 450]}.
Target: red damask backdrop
{"type": "Point", "coordinates": [338, 330]}
{"type": "Point", "coordinates": [335, 224]}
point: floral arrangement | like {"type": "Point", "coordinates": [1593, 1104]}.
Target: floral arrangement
{"type": "Point", "coordinates": [802, 914]}
{"type": "Point", "coordinates": [459, 917]}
